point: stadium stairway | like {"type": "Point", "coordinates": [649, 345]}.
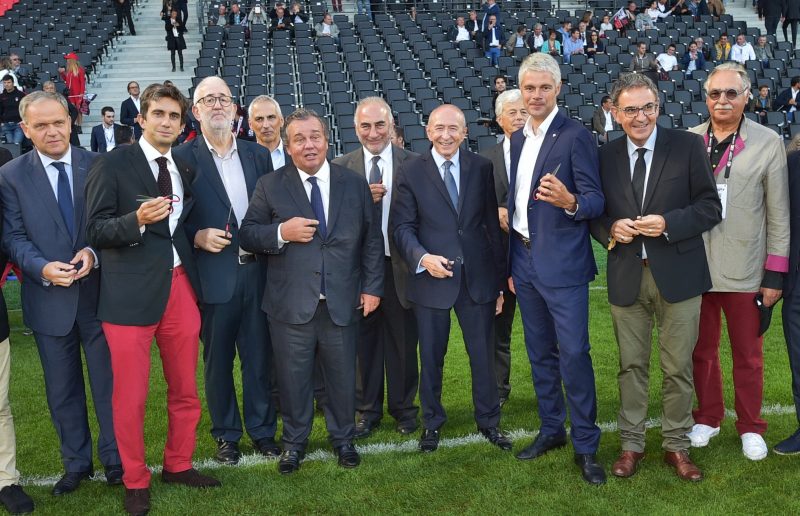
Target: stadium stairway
{"type": "Point", "coordinates": [143, 58]}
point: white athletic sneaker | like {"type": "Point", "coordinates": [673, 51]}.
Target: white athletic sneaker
{"type": "Point", "coordinates": [753, 446]}
{"type": "Point", "coordinates": [701, 434]}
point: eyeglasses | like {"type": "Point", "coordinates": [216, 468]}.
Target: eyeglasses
{"type": "Point", "coordinates": [730, 94]}
{"type": "Point", "coordinates": [648, 109]}
{"type": "Point", "coordinates": [209, 101]}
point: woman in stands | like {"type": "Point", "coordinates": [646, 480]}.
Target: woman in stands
{"type": "Point", "coordinates": [587, 19]}
{"type": "Point", "coordinates": [74, 77]}
{"type": "Point", "coordinates": [552, 46]}
{"type": "Point", "coordinates": [175, 41]}
{"type": "Point", "coordinates": [594, 45]}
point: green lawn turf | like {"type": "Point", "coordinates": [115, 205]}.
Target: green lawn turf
{"type": "Point", "coordinates": [473, 478]}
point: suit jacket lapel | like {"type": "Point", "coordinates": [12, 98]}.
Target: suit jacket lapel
{"type": "Point", "coordinates": [335, 199]}
{"type": "Point", "coordinates": [79, 173]}
{"type": "Point", "coordinates": [291, 180]}
{"type": "Point", "coordinates": [41, 183]}
{"type": "Point", "coordinates": [549, 142]}
{"type": "Point", "coordinates": [656, 166]}
{"type": "Point", "coordinates": [517, 141]}
{"type": "Point", "coordinates": [465, 164]}
{"type": "Point", "coordinates": [432, 171]}
{"type": "Point", "coordinates": [141, 167]}
{"type": "Point", "coordinates": [205, 162]}
{"type": "Point", "coordinates": [624, 174]}
{"type": "Point", "coordinates": [249, 168]}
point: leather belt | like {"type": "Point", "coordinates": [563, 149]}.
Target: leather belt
{"type": "Point", "coordinates": [244, 259]}
{"type": "Point", "coordinates": [525, 240]}
{"type": "Point", "coordinates": [645, 262]}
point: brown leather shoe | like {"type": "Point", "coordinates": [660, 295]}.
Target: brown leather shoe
{"type": "Point", "coordinates": [684, 467]}
{"type": "Point", "coordinates": [190, 477]}
{"type": "Point", "coordinates": [137, 501]}
{"type": "Point", "coordinates": [626, 464]}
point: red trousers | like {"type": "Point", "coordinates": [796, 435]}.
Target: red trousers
{"type": "Point", "coordinates": [742, 317]}
{"type": "Point", "coordinates": [177, 337]}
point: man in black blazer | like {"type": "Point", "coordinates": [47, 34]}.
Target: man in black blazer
{"type": "Point", "coordinates": [123, 9]}
{"type": "Point", "coordinates": [106, 135]}
{"type": "Point", "coordinates": [444, 222]}
{"type": "Point", "coordinates": [130, 109]}
{"type": "Point", "coordinates": [316, 223]}
{"type": "Point", "coordinates": [231, 281]}
{"type": "Point", "coordinates": [660, 197]}
{"type": "Point", "coordinates": [44, 234]}
{"type": "Point", "coordinates": [137, 200]}
{"type": "Point", "coordinates": [789, 98]}
{"type": "Point", "coordinates": [387, 337]}
{"type": "Point", "coordinates": [511, 115]}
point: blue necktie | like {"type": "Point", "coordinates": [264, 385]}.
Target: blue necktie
{"type": "Point", "coordinates": [65, 198]}
{"type": "Point", "coordinates": [450, 183]}
{"type": "Point", "coordinates": [319, 213]}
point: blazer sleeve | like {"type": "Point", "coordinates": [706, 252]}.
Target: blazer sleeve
{"type": "Point", "coordinates": [95, 144]}
{"type": "Point", "coordinates": [259, 232]}
{"type": "Point", "coordinates": [585, 171]}
{"type": "Point", "coordinates": [403, 224]}
{"type": "Point", "coordinates": [104, 228]}
{"type": "Point", "coordinates": [776, 189]}
{"type": "Point", "coordinates": [493, 229]}
{"type": "Point", "coordinates": [16, 243]}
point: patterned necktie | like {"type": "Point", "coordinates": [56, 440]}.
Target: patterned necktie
{"type": "Point", "coordinates": [164, 181]}
{"type": "Point", "coordinates": [319, 213]}
{"type": "Point", "coordinates": [637, 182]}
{"type": "Point", "coordinates": [375, 176]}
{"type": "Point", "coordinates": [65, 198]}
{"type": "Point", "coordinates": [450, 183]}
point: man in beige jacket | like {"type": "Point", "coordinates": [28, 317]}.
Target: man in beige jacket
{"type": "Point", "coordinates": [747, 255]}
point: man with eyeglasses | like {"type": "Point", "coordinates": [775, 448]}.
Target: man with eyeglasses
{"type": "Point", "coordinates": [129, 111]}
{"type": "Point", "coordinates": [747, 254]}
{"type": "Point", "coordinates": [231, 280]}
{"type": "Point", "coordinates": [660, 198]}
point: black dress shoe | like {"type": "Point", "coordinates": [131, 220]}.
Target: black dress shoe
{"type": "Point", "coordinates": [289, 461]}
{"type": "Point", "coordinates": [541, 445]}
{"type": "Point", "coordinates": [496, 437]}
{"type": "Point", "coordinates": [70, 482]}
{"type": "Point", "coordinates": [591, 470]}
{"type": "Point", "coordinates": [348, 456]}
{"type": "Point", "coordinates": [15, 500]}
{"type": "Point", "coordinates": [227, 452]}
{"type": "Point", "coordinates": [503, 401]}
{"type": "Point", "coordinates": [406, 427]}
{"type": "Point", "coordinates": [429, 441]}
{"type": "Point", "coordinates": [364, 428]}
{"type": "Point", "coordinates": [267, 447]}
{"type": "Point", "coordinates": [137, 501]}
{"type": "Point", "coordinates": [114, 475]}
{"type": "Point", "coordinates": [190, 478]}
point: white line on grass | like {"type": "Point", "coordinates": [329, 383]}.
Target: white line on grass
{"type": "Point", "coordinates": [408, 446]}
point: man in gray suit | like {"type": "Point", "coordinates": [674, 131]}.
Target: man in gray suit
{"type": "Point", "coordinates": [511, 115]}
{"type": "Point", "coordinates": [388, 337]}
{"type": "Point", "coordinates": [316, 223]}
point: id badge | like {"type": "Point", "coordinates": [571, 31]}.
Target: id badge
{"type": "Point", "coordinates": [722, 191]}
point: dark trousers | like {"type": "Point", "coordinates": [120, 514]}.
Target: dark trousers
{"type": "Point", "coordinates": [556, 324]}
{"type": "Point", "coordinates": [387, 342]}
{"type": "Point", "coordinates": [785, 26]}
{"type": "Point", "coordinates": [294, 347]}
{"type": "Point", "coordinates": [502, 351]}
{"type": "Point", "coordinates": [791, 331]}
{"type": "Point", "coordinates": [172, 57]}
{"type": "Point", "coordinates": [239, 325]}
{"type": "Point", "coordinates": [66, 393]}
{"type": "Point", "coordinates": [771, 24]}
{"type": "Point", "coordinates": [477, 328]}
{"type": "Point", "coordinates": [125, 14]}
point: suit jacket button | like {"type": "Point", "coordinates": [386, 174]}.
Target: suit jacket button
{"type": "Point", "coordinates": [458, 259]}
{"type": "Point", "coordinates": [460, 232]}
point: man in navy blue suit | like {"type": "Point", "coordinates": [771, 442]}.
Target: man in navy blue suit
{"type": "Point", "coordinates": [44, 234]}
{"type": "Point", "coordinates": [553, 193]}
{"type": "Point", "coordinates": [445, 223]}
{"type": "Point", "coordinates": [231, 280]}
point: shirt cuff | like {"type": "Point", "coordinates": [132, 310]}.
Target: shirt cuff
{"type": "Point", "coordinates": [96, 259]}
{"type": "Point", "coordinates": [777, 263]}
{"type": "Point", "coordinates": [772, 279]}
{"type": "Point", "coordinates": [281, 241]}
{"type": "Point", "coordinates": [420, 268]}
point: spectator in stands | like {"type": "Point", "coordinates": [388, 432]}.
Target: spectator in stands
{"type": "Point", "coordinates": [582, 28]}
{"type": "Point", "coordinates": [667, 62]}
{"type": "Point", "coordinates": [762, 103]}
{"type": "Point", "coordinates": [693, 8]}
{"type": "Point", "coordinates": [536, 39]}
{"type": "Point", "coordinates": [74, 139]}
{"type": "Point", "coordinates": [722, 50]}
{"type": "Point", "coordinates": [787, 101]}
{"type": "Point", "coordinates": [175, 41]}
{"type": "Point", "coordinates": [281, 21]}
{"type": "Point", "coordinates": [493, 39]}
{"type": "Point", "coordinates": [771, 11]}
{"type": "Point", "coordinates": [500, 85]}
{"type": "Point", "coordinates": [762, 50]}
{"type": "Point", "coordinates": [489, 9]}
{"type": "Point", "coordinates": [594, 45]}
{"type": "Point", "coordinates": [692, 60]}
{"type": "Point", "coordinates": [644, 63]}
{"type": "Point", "coordinates": [605, 25]}
{"type": "Point", "coordinates": [573, 45]}
{"type": "Point", "coordinates": [742, 51]}
{"type": "Point", "coordinates": [123, 10]}
{"type": "Point", "coordinates": [105, 135]}
{"type": "Point", "coordinates": [703, 48]}
{"type": "Point", "coordinates": [19, 69]}
{"type": "Point", "coordinates": [474, 25]}
{"type": "Point", "coordinates": [220, 18]}
{"type": "Point", "coordinates": [398, 137]}
{"type": "Point", "coordinates": [517, 40]}
{"type": "Point", "coordinates": [74, 77]}
{"type": "Point", "coordinates": [235, 17]}
{"type": "Point", "coordinates": [412, 13]}
{"type": "Point", "coordinates": [791, 15]}
{"type": "Point", "coordinates": [10, 98]}
{"type": "Point", "coordinates": [129, 111]}
{"type": "Point", "coordinates": [552, 46]}
{"type": "Point", "coordinates": [327, 29]}
{"type": "Point", "coordinates": [659, 9]}
{"type": "Point", "coordinates": [256, 16]}
{"type": "Point", "coordinates": [564, 32]}
{"type": "Point", "coordinates": [297, 14]}
{"type": "Point", "coordinates": [644, 21]}
{"type": "Point", "coordinates": [603, 120]}
{"type": "Point", "coordinates": [364, 7]}
{"type": "Point", "coordinates": [6, 69]}
{"type": "Point", "coordinates": [629, 18]}
{"type": "Point", "coordinates": [586, 19]}
{"type": "Point", "coordinates": [183, 8]}
{"type": "Point", "coordinates": [715, 8]}
{"type": "Point", "coordinates": [459, 31]}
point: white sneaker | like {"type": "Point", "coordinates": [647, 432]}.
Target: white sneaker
{"type": "Point", "coordinates": [753, 446]}
{"type": "Point", "coordinates": [701, 434]}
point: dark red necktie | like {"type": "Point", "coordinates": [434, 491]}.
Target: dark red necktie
{"type": "Point", "coordinates": [164, 181]}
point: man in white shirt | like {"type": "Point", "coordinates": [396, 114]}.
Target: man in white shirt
{"type": "Point", "coordinates": [603, 119]}
{"type": "Point", "coordinates": [459, 31]}
{"type": "Point", "coordinates": [742, 51]}
{"type": "Point", "coordinates": [536, 39]}
{"type": "Point", "coordinates": [266, 122]}
{"type": "Point", "coordinates": [667, 60]}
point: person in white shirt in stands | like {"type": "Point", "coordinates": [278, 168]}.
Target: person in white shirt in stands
{"type": "Point", "coordinates": [603, 120]}
{"type": "Point", "coordinates": [667, 60]}
{"type": "Point", "coordinates": [742, 51]}
{"type": "Point", "coordinates": [459, 31]}
{"type": "Point", "coordinates": [536, 39]}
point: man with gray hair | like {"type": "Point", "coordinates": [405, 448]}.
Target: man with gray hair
{"type": "Point", "coordinates": [387, 344]}
{"type": "Point", "coordinates": [266, 121]}
{"type": "Point", "coordinates": [510, 114]}
{"type": "Point", "coordinates": [232, 281]}
{"type": "Point", "coordinates": [748, 254]}
{"type": "Point", "coordinates": [660, 198]}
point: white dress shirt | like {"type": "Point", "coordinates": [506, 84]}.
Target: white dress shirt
{"type": "Point", "coordinates": [609, 121]}
{"type": "Point", "coordinates": [650, 145]}
{"type": "Point", "coordinates": [278, 156]}
{"type": "Point", "coordinates": [231, 172]}
{"type": "Point", "coordinates": [507, 156]}
{"type": "Point", "coordinates": [323, 176]}
{"type": "Point", "coordinates": [137, 103]}
{"type": "Point", "coordinates": [463, 34]}
{"type": "Point", "coordinates": [385, 165]}
{"type": "Point", "coordinates": [150, 153]}
{"type": "Point", "coordinates": [538, 41]}
{"type": "Point", "coordinates": [527, 162]}
{"type": "Point", "coordinates": [108, 133]}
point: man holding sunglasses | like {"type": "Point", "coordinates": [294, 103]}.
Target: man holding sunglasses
{"type": "Point", "coordinates": [660, 198]}
{"type": "Point", "coordinates": [747, 254]}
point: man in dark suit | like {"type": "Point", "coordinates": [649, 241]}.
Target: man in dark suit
{"type": "Point", "coordinates": [137, 200]}
{"type": "Point", "coordinates": [317, 224]}
{"type": "Point", "coordinates": [788, 100]}
{"type": "Point", "coordinates": [488, 9]}
{"type": "Point", "coordinates": [282, 21]}
{"type": "Point", "coordinates": [511, 116]}
{"type": "Point", "coordinates": [123, 9]}
{"type": "Point", "coordinates": [387, 337]}
{"type": "Point", "coordinates": [106, 136]}
{"type": "Point", "coordinates": [603, 120]}
{"type": "Point", "coordinates": [771, 11]}
{"type": "Point", "coordinates": [556, 189]}
{"type": "Point", "coordinates": [660, 198]}
{"type": "Point", "coordinates": [444, 223]}
{"type": "Point", "coordinates": [231, 281]}
{"type": "Point", "coordinates": [130, 109]}
{"type": "Point", "coordinates": [44, 234]}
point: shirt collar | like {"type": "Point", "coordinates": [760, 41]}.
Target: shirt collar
{"type": "Point", "coordinates": [506, 144]}
{"type": "Point", "coordinates": [227, 154]}
{"type": "Point", "coordinates": [47, 160]}
{"type": "Point", "coordinates": [135, 101]}
{"type": "Point", "coordinates": [528, 129]}
{"type": "Point", "coordinates": [323, 174]}
{"type": "Point", "coordinates": [439, 159]}
{"type": "Point", "coordinates": [650, 144]}
{"type": "Point", "coordinates": [151, 153]}
{"type": "Point", "coordinates": [279, 149]}
{"type": "Point", "coordinates": [385, 154]}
